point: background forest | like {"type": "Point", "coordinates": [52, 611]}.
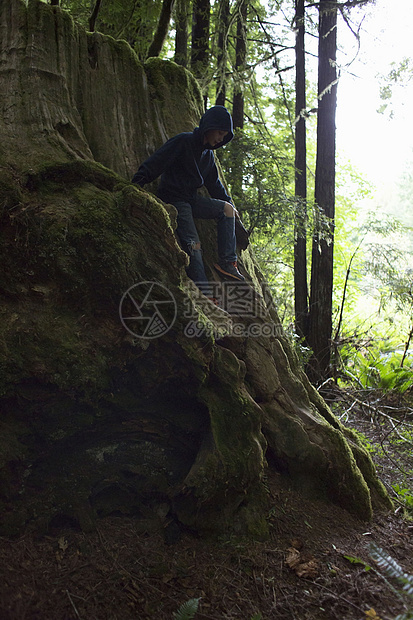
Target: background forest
{"type": "Point", "coordinates": [337, 260]}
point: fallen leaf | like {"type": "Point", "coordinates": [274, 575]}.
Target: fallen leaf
{"type": "Point", "coordinates": [307, 569]}
{"type": "Point", "coordinates": [303, 567]}
{"type": "Point", "coordinates": [62, 543]}
{"type": "Point", "coordinates": [293, 557]}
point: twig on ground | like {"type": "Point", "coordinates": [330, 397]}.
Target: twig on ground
{"type": "Point", "coordinates": [336, 594]}
{"type": "Point", "coordinates": [72, 603]}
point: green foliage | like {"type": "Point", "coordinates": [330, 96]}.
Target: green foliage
{"type": "Point", "coordinates": [259, 170]}
{"type": "Point", "coordinates": [358, 561]}
{"type": "Point", "coordinates": [135, 22]}
{"type": "Point", "coordinates": [404, 211]}
{"type": "Point", "coordinates": [187, 610]}
{"type": "Point", "coordinates": [405, 496]}
{"type": "Point", "coordinates": [376, 363]}
{"type": "Point", "coordinates": [376, 356]}
{"type": "Point", "coordinates": [397, 78]}
{"type": "Point", "coordinates": [388, 267]}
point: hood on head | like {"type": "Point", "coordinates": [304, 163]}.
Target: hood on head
{"type": "Point", "coordinates": [217, 117]}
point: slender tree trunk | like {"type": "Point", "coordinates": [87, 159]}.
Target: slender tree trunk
{"type": "Point", "coordinates": [94, 16]}
{"type": "Point", "coordinates": [300, 250]}
{"type": "Point", "coordinates": [159, 37]}
{"type": "Point", "coordinates": [240, 58]}
{"type": "Point", "coordinates": [181, 32]}
{"type": "Point", "coordinates": [237, 148]}
{"type": "Point", "coordinates": [323, 242]}
{"type": "Point", "coordinates": [223, 25]}
{"type": "Point", "coordinates": [406, 347]}
{"type": "Point", "coordinates": [200, 39]}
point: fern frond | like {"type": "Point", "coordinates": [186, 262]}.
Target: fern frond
{"type": "Point", "coordinates": [187, 610]}
{"type": "Point", "coordinates": [392, 568]}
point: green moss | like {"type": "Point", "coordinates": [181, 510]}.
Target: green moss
{"type": "Point", "coordinates": [233, 415]}
{"type": "Point", "coordinates": [251, 517]}
{"type": "Point", "coordinates": [174, 88]}
{"type": "Point", "coordinates": [226, 477]}
{"type": "Point", "coordinates": [380, 497]}
{"type": "Point", "coordinates": [348, 487]}
{"type": "Point", "coordinates": [318, 459]}
{"type": "Point", "coordinates": [56, 345]}
{"type": "Point", "coordinates": [94, 237]}
{"type": "Point", "coordinates": [166, 75]}
{"type": "Point", "coordinates": [69, 174]}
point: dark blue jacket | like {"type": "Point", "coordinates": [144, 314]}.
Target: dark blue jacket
{"type": "Point", "coordinates": [186, 163]}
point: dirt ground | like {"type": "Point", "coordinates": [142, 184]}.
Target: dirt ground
{"type": "Point", "coordinates": [316, 563]}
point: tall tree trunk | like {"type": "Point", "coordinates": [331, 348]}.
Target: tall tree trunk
{"type": "Point", "coordinates": [94, 15]}
{"type": "Point", "coordinates": [159, 37]}
{"type": "Point", "coordinates": [181, 32]}
{"type": "Point", "coordinates": [300, 251]}
{"type": "Point", "coordinates": [321, 295]}
{"type": "Point", "coordinates": [240, 58]}
{"type": "Point", "coordinates": [237, 148]}
{"type": "Point", "coordinates": [200, 41]}
{"type": "Point", "coordinates": [223, 25]}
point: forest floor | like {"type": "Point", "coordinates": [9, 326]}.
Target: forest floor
{"type": "Point", "coordinates": [316, 563]}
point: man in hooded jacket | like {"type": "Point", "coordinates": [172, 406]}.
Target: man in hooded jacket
{"type": "Point", "coordinates": [186, 162]}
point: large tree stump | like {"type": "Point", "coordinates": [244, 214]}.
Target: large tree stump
{"type": "Point", "coordinates": [95, 418]}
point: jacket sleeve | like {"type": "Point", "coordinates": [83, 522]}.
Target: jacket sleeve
{"type": "Point", "coordinates": [155, 165]}
{"type": "Point", "coordinates": [214, 186]}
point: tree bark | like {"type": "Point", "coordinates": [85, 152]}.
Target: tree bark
{"type": "Point", "coordinates": [162, 28]}
{"type": "Point", "coordinates": [200, 38]}
{"type": "Point", "coordinates": [240, 58]}
{"type": "Point", "coordinates": [300, 247]}
{"type": "Point", "coordinates": [181, 32]}
{"type": "Point", "coordinates": [238, 152]}
{"type": "Point", "coordinates": [321, 295]}
{"type": "Point", "coordinates": [223, 25]}
{"type": "Point", "coordinates": [94, 15]}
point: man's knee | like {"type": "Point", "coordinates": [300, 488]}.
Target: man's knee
{"type": "Point", "coordinates": [229, 210]}
{"type": "Point", "coordinates": [194, 246]}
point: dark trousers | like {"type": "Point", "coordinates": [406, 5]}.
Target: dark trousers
{"type": "Point", "coordinates": [204, 208]}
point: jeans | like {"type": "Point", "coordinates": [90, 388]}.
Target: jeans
{"type": "Point", "coordinates": [204, 208]}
